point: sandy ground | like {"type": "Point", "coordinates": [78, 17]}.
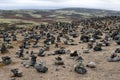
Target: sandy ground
{"type": "Point", "coordinates": [103, 71]}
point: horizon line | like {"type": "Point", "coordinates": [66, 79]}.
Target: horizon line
{"type": "Point", "coordinates": [60, 8]}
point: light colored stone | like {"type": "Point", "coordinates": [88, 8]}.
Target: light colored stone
{"type": "Point", "coordinates": [85, 50]}
{"type": "Point", "coordinates": [91, 65]}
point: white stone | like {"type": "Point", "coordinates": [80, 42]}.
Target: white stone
{"type": "Point", "coordinates": [85, 50]}
{"type": "Point", "coordinates": [91, 64]}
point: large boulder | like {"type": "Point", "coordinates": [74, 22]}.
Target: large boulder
{"type": "Point", "coordinates": [114, 58]}
{"type": "Point", "coordinates": [98, 47]}
{"type": "Point", "coordinates": [96, 36]}
{"type": "Point", "coordinates": [16, 72]}
{"type": "Point", "coordinates": [41, 68]}
{"type": "Point", "coordinates": [84, 38]}
{"type": "Point", "coordinates": [79, 59]}
{"type": "Point", "coordinates": [33, 60]}
{"type": "Point", "coordinates": [6, 60]}
{"type": "Point", "coordinates": [80, 70]}
{"type": "Point", "coordinates": [117, 39]}
{"type": "Point", "coordinates": [3, 48]}
{"type": "Point", "coordinates": [20, 52]}
{"type": "Point", "coordinates": [60, 51]}
{"type": "Point", "coordinates": [117, 50]}
{"type": "Point", "coordinates": [74, 54]}
{"type": "Point", "coordinates": [59, 61]}
{"type": "Point", "coordinates": [41, 53]}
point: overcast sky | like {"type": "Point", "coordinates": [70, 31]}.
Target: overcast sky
{"type": "Point", "coordinates": [55, 4]}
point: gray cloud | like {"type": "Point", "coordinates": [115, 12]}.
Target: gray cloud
{"type": "Point", "coordinates": [47, 4]}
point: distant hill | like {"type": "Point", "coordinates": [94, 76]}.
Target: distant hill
{"type": "Point", "coordinates": [57, 14]}
{"type": "Point", "coordinates": [93, 11]}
